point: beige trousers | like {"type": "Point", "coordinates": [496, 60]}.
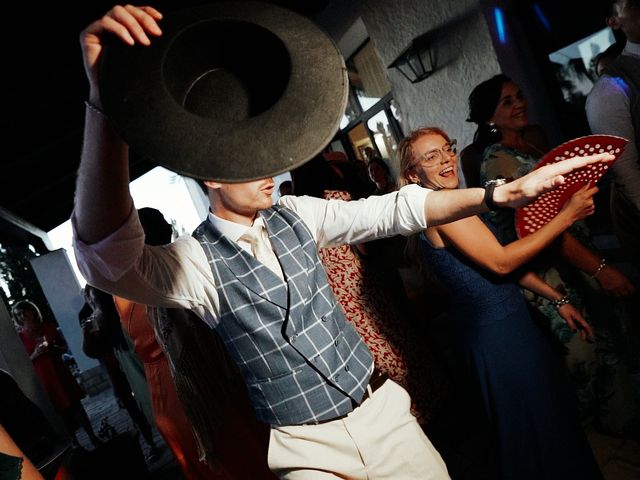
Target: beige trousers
{"type": "Point", "coordinates": [378, 440]}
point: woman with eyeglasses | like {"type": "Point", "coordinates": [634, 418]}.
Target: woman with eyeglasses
{"type": "Point", "coordinates": [526, 393]}
{"type": "Point", "coordinates": [600, 370]}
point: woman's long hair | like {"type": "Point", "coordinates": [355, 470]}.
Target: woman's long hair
{"type": "Point", "coordinates": [406, 154]}
{"type": "Point", "coordinates": [23, 306]}
{"type": "Point", "coordinates": [483, 101]}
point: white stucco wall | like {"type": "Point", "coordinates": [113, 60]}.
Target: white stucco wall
{"type": "Point", "coordinates": [466, 54]}
{"type": "Point", "coordinates": [441, 99]}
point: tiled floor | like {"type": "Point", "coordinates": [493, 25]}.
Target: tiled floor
{"type": "Point", "coordinates": [104, 406]}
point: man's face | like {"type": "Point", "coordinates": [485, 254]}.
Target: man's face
{"type": "Point", "coordinates": [626, 17]}
{"type": "Point", "coordinates": [239, 202]}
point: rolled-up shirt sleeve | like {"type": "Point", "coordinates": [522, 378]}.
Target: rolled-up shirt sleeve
{"type": "Point", "coordinates": [173, 275]}
{"type": "Point", "coordinates": [338, 222]}
{"type": "Point", "coordinates": [112, 256]}
{"type": "Point", "coordinates": [179, 275]}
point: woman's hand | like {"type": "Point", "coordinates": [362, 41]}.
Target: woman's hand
{"type": "Point", "coordinates": [41, 348]}
{"type": "Point", "coordinates": [576, 321]}
{"type": "Point", "coordinates": [580, 205]}
{"type": "Point", "coordinates": [525, 190]}
{"type": "Point", "coordinates": [131, 24]}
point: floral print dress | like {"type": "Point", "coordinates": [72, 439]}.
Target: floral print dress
{"type": "Point", "coordinates": [371, 301]}
{"type": "Point", "coordinates": [603, 384]}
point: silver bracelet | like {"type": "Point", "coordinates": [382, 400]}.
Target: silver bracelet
{"type": "Point", "coordinates": [91, 107]}
{"type": "Point", "coordinates": [603, 264]}
{"type": "Point", "coordinates": [561, 301]}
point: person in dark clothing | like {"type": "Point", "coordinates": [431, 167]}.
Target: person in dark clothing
{"type": "Point", "coordinates": [102, 336]}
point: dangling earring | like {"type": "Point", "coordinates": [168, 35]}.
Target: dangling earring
{"type": "Point", "coordinates": [493, 129]}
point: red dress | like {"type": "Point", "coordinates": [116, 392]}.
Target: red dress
{"type": "Point", "coordinates": [369, 298]}
{"type": "Point", "coordinates": [169, 414]}
{"type": "Point", "coordinates": [60, 385]}
{"type": "Point", "coordinates": [167, 410]}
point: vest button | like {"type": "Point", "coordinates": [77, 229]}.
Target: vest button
{"type": "Point", "coordinates": [336, 342]}
{"type": "Point", "coordinates": [336, 377]}
{"type": "Point", "coordinates": [346, 368]}
{"type": "Point", "coordinates": [293, 338]}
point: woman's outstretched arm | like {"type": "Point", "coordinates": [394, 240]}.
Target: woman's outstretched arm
{"type": "Point", "coordinates": [474, 239]}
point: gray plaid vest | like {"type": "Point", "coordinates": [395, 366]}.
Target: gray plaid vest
{"type": "Point", "coordinates": [301, 360]}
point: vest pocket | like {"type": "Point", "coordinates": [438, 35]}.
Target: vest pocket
{"type": "Point", "coordinates": [278, 400]}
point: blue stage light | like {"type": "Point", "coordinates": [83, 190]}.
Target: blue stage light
{"type": "Point", "coordinates": [542, 17]}
{"type": "Point", "coordinates": [500, 27]}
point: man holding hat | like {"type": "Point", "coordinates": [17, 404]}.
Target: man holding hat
{"type": "Point", "coordinates": [251, 270]}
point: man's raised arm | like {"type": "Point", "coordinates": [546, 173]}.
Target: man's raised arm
{"type": "Point", "coordinates": [102, 199]}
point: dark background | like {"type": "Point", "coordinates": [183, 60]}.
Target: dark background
{"type": "Point", "coordinates": [45, 87]}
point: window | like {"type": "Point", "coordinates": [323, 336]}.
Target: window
{"type": "Point", "coordinates": [574, 65]}
{"type": "Point", "coordinates": [574, 70]}
{"type": "Point", "coordinates": [371, 124]}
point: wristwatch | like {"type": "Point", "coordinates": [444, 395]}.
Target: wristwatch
{"type": "Point", "coordinates": [489, 187]}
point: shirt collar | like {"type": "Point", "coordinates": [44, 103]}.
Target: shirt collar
{"type": "Point", "coordinates": [632, 49]}
{"type": "Point", "coordinates": [232, 230]}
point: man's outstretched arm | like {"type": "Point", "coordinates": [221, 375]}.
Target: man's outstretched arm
{"type": "Point", "coordinates": [444, 206]}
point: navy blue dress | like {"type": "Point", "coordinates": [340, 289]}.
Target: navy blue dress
{"type": "Point", "coordinates": [527, 393]}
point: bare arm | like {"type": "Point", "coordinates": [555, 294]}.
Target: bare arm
{"type": "Point", "coordinates": [611, 280]}
{"type": "Point", "coordinates": [445, 206]}
{"type": "Point", "coordinates": [568, 312]}
{"type": "Point", "coordinates": [9, 447]}
{"type": "Point", "coordinates": [474, 239]}
{"type": "Point", "coordinates": [102, 189]}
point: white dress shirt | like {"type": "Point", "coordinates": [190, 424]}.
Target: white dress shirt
{"type": "Point", "coordinates": [179, 275]}
{"type": "Point", "coordinates": [261, 249]}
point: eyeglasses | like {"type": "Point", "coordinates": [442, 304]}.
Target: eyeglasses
{"type": "Point", "coordinates": [435, 156]}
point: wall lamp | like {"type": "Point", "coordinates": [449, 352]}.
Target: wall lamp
{"type": "Point", "coordinates": [416, 61]}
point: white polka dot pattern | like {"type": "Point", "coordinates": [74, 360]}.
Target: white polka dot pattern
{"type": "Point", "coordinates": [530, 218]}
